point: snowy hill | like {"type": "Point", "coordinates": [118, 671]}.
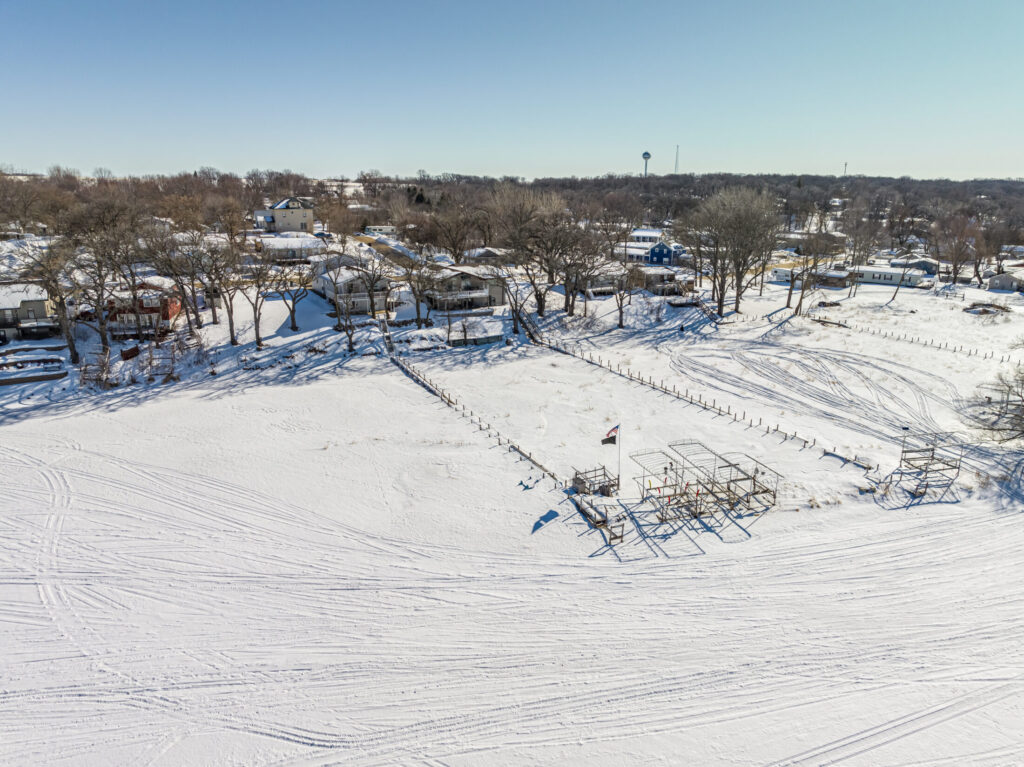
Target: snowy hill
{"type": "Point", "coordinates": [308, 558]}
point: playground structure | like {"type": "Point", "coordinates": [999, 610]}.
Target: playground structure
{"type": "Point", "coordinates": [595, 482]}
{"type": "Point", "coordinates": [930, 460]}
{"type": "Point", "coordinates": [693, 480]}
{"type": "Point", "coordinates": [609, 519]}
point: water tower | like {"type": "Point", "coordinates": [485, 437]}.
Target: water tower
{"type": "Point", "coordinates": [646, 156]}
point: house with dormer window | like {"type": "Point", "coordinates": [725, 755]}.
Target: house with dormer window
{"type": "Point", "coordinates": [292, 214]}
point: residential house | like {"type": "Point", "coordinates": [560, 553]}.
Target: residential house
{"type": "Point", "coordinates": [666, 280]}
{"type": "Point", "coordinates": [486, 256]}
{"type": "Point", "coordinates": [646, 236]}
{"type": "Point", "coordinates": [1009, 280]}
{"type": "Point", "coordinates": [348, 284]}
{"type": "Point", "coordinates": [26, 311]}
{"type": "Point", "coordinates": [291, 248]}
{"type": "Point", "coordinates": [157, 305]}
{"type": "Point", "coordinates": [330, 259]}
{"type": "Point", "coordinates": [661, 252]}
{"type": "Point", "coordinates": [887, 275]}
{"type": "Point", "coordinates": [823, 276]}
{"type": "Point", "coordinates": [927, 265]}
{"type": "Point", "coordinates": [292, 214]}
{"type": "Point", "coordinates": [466, 287]}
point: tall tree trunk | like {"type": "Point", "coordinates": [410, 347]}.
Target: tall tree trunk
{"type": "Point", "coordinates": [256, 326]}
{"type": "Point", "coordinates": [67, 331]}
{"type": "Point", "coordinates": [101, 324]}
{"type": "Point", "coordinates": [230, 311]}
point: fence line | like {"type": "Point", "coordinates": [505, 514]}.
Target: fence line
{"type": "Point", "coordinates": [461, 409]}
{"type": "Point", "coordinates": [929, 342]}
{"type": "Point", "coordinates": [672, 391]}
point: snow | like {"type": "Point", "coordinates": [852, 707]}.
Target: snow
{"type": "Point", "coordinates": [11, 295]}
{"type": "Point", "coordinates": [313, 560]}
{"type": "Point", "coordinates": [306, 242]}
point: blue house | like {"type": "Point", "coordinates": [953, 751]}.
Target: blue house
{"type": "Point", "coordinates": [660, 254]}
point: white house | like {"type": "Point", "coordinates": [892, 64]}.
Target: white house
{"type": "Point", "coordinates": [887, 275]}
{"type": "Point", "coordinates": [649, 236]}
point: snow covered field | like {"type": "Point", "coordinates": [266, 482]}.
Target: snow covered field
{"type": "Point", "coordinates": [308, 559]}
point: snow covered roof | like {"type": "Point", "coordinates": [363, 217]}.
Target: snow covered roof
{"type": "Point", "coordinates": [483, 272]}
{"type": "Point", "coordinates": [11, 296]}
{"type": "Point", "coordinates": [646, 233]}
{"type": "Point", "coordinates": [913, 260]}
{"type": "Point", "coordinates": [340, 275]}
{"type": "Point", "coordinates": [288, 243]}
{"type": "Point", "coordinates": [485, 253]}
{"type": "Point", "coordinates": [890, 270]}
{"type": "Point", "coordinates": [662, 270]}
{"type": "Point", "coordinates": [300, 202]}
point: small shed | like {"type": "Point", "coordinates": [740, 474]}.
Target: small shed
{"type": "Point", "coordinates": [1012, 280]}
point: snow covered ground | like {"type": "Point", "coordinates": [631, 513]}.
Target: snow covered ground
{"type": "Point", "coordinates": [308, 559]}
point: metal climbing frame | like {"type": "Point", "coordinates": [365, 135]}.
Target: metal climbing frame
{"type": "Point", "coordinates": [933, 459]}
{"type": "Point", "coordinates": [595, 482]}
{"type": "Point", "coordinates": [664, 482]}
{"type": "Point", "coordinates": [730, 480]}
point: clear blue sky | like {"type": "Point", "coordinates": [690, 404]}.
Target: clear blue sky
{"type": "Point", "coordinates": [528, 88]}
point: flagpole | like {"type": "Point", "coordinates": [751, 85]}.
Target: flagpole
{"type": "Point", "coordinates": [619, 468]}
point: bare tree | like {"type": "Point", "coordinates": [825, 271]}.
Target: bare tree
{"type": "Point", "coordinates": [291, 284]}
{"type": "Point", "coordinates": [580, 265]}
{"type": "Point", "coordinates": [952, 237]}
{"type": "Point", "coordinates": [629, 282]}
{"type": "Point", "coordinates": [51, 268]}
{"type": "Point", "coordinates": [454, 226]}
{"type": "Point", "coordinates": [900, 223]}
{"type": "Point", "coordinates": [862, 233]}
{"type": "Point", "coordinates": [1004, 420]}
{"type": "Point", "coordinates": [421, 276]}
{"type": "Point", "coordinates": [343, 308]}
{"type": "Point", "coordinates": [690, 233]}
{"type": "Point", "coordinates": [551, 240]}
{"type": "Point", "coordinates": [741, 226]}
{"type": "Point", "coordinates": [95, 266]}
{"type": "Point", "coordinates": [221, 266]}
{"type": "Point", "coordinates": [19, 202]}
{"type": "Point", "coordinates": [128, 261]}
{"type": "Point", "coordinates": [517, 296]}
{"type": "Point", "coordinates": [376, 272]}
{"type": "Point", "coordinates": [223, 259]}
{"type": "Point", "coordinates": [818, 250]}
{"type": "Point", "coordinates": [259, 273]}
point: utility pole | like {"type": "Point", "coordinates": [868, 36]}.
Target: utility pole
{"type": "Point", "coordinates": [677, 160]}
